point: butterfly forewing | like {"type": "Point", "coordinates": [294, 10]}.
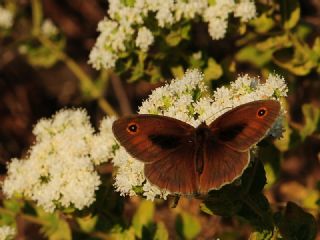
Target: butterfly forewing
{"type": "Point", "coordinates": [165, 145]}
{"type": "Point", "coordinates": [151, 137]}
{"type": "Point", "coordinates": [245, 125]}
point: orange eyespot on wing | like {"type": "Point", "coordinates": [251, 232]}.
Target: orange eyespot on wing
{"type": "Point", "coordinates": [132, 128]}
{"type": "Point", "coordinates": [262, 112]}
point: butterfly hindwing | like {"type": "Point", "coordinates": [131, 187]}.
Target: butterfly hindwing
{"type": "Point", "coordinates": [222, 165]}
{"type": "Point", "coordinates": [246, 124]}
{"type": "Point", "coordinates": [175, 172]}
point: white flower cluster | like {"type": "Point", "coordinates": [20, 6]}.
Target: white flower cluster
{"type": "Point", "coordinates": [59, 170]}
{"type": "Point", "coordinates": [7, 232]}
{"type": "Point", "coordinates": [48, 28]}
{"type": "Point", "coordinates": [129, 24]}
{"type": "Point", "coordinates": [6, 18]}
{"type": "Point", "coordinates": [187, 99]}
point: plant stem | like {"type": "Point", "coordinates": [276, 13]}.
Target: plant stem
{"type": "Point", "coordinates": [26, 217]}
{"type": "Point", "coordinates": [36, 16]}
{"type": "Point", "coordinates": [85, 80]}
{"type": "Point", "coordinates": [106, 107]}
{"type": "Point", "coordinates": [120, 94]}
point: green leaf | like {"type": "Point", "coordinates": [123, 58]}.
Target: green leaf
{"type": "Point", "coordinates": [224, 202]}
{"type": "Point", "coordinates": [316, 46]}
{"type": "Point", "coordinates": [55, 228]}
{"type": "Point", "coordinates": [303, 31]}
{"type": "Point", "coordinates": [270, 156]}
{"type": "Point", "coordinates": [228, 200]}
{"type": "Point", "coordinates": [42, 56]}
{"type": "Point", "coordinates": [128, 234]}
{"type": "Point", "coordinates": [290, 13]}
{"type": "Point", "coordinates": [298, 62]}
{"type": "Point", "coordinates": [87, 223]}
{"type": "Point", "coordinates": [173, 38]}
{"type": "Point", "coordinates": [13, 205]}
{"type": "Point", "coordinates": [143, 217]}
{"type": "Point", "coordinates": [185, 31]}
{"type": "Point", "coordinates": [128, 3]}
{"type": "Point", "coordinates": [270, 174]}
{"type": "Point", "coordinates": [213, 71]}
{"type": "Point", "coordinates": [295, 224]}
{"type": "Point", "coordinates": [177, 71]}
{"type": "Point", "coordinates": [196, 60]}
{"type": "Point", "coordinates": [137, 73]}
{"type": "Point", "coordinates": [212, 2]}
{"type": "Point", "coordinates": [273, 43]}
{"type": "Point", "coordinates": [161, 232]}
{"type": "Point", "coordinates": [263, 23]}
{"type": "Point", "coordinates": [263, 235]}
{"type": "Point", "coordinates": [177, 35]}
{"type": "Point", "coordinates": [257, 212]}
{"type": "Point", "coordinates": [252, 55]}
{"type": "Point", "coordinates": [187, 226]}
{"type": "Point", "coordinates": [311, 118]}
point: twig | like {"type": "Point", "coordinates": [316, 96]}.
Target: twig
{"type": "Point", "coordinates": [120, 94]}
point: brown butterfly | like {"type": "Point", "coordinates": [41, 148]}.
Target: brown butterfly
{"type": "Point", "coordinates": [188, 160]}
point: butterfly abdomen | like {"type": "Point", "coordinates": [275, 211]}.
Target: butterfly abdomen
{"type": "Point", "coordinates": [202, 133]}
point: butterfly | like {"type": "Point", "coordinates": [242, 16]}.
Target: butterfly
{"type": "Point", "coordinates": [187, 160]}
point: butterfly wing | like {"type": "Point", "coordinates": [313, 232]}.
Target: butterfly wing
{"type": "Point", "coordinates": [222, 165]}
{"type": "Point", "coordinates": [165, 145]}
{"type": "Point", "coordinates": [226, 150]}
{"type": "Point", "coordinates": [175, 172]}
{"type": "Point", "coordinates": [246, 124]}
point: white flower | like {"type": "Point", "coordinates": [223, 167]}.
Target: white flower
{"type": "Point", "coordinates": [246, 10]}
{"type": "Point", "coordinates": [6, 18]}
{"type": "Point", "coordinates": [165, 16]}
{"type": "Point", "coordinates": [100, 58]}
{"type": "Point", "coordinates": [187, 99]}
{"type": "Point", "coordinates": [144, 39]}
{"type": "Point", "coordinates": [129, 172]}
{"type": "Point", "coordinates": [220, 10]}
{"type": "Point", "coordinates": [107, 26]}
{"type": "Point", "coordinates": [189, 9]}
{"type": "Point", "coordinates": [48, 28]}
{"type": "Point", "coordinates": [152, 191]}
{"type": "Point", "coordinates": [127, 19]}
{"type": "Point", "coordinates": [103, 143]}
{"type": "Point", "coordinates": [7, 233]}
{"type": "Point", "coordinates": [59, 170]}
{"type": "Point", "coordinates": [217, 28]}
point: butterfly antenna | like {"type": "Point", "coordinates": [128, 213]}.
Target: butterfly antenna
{"type": "Point", "coordinates": [217, 112]}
